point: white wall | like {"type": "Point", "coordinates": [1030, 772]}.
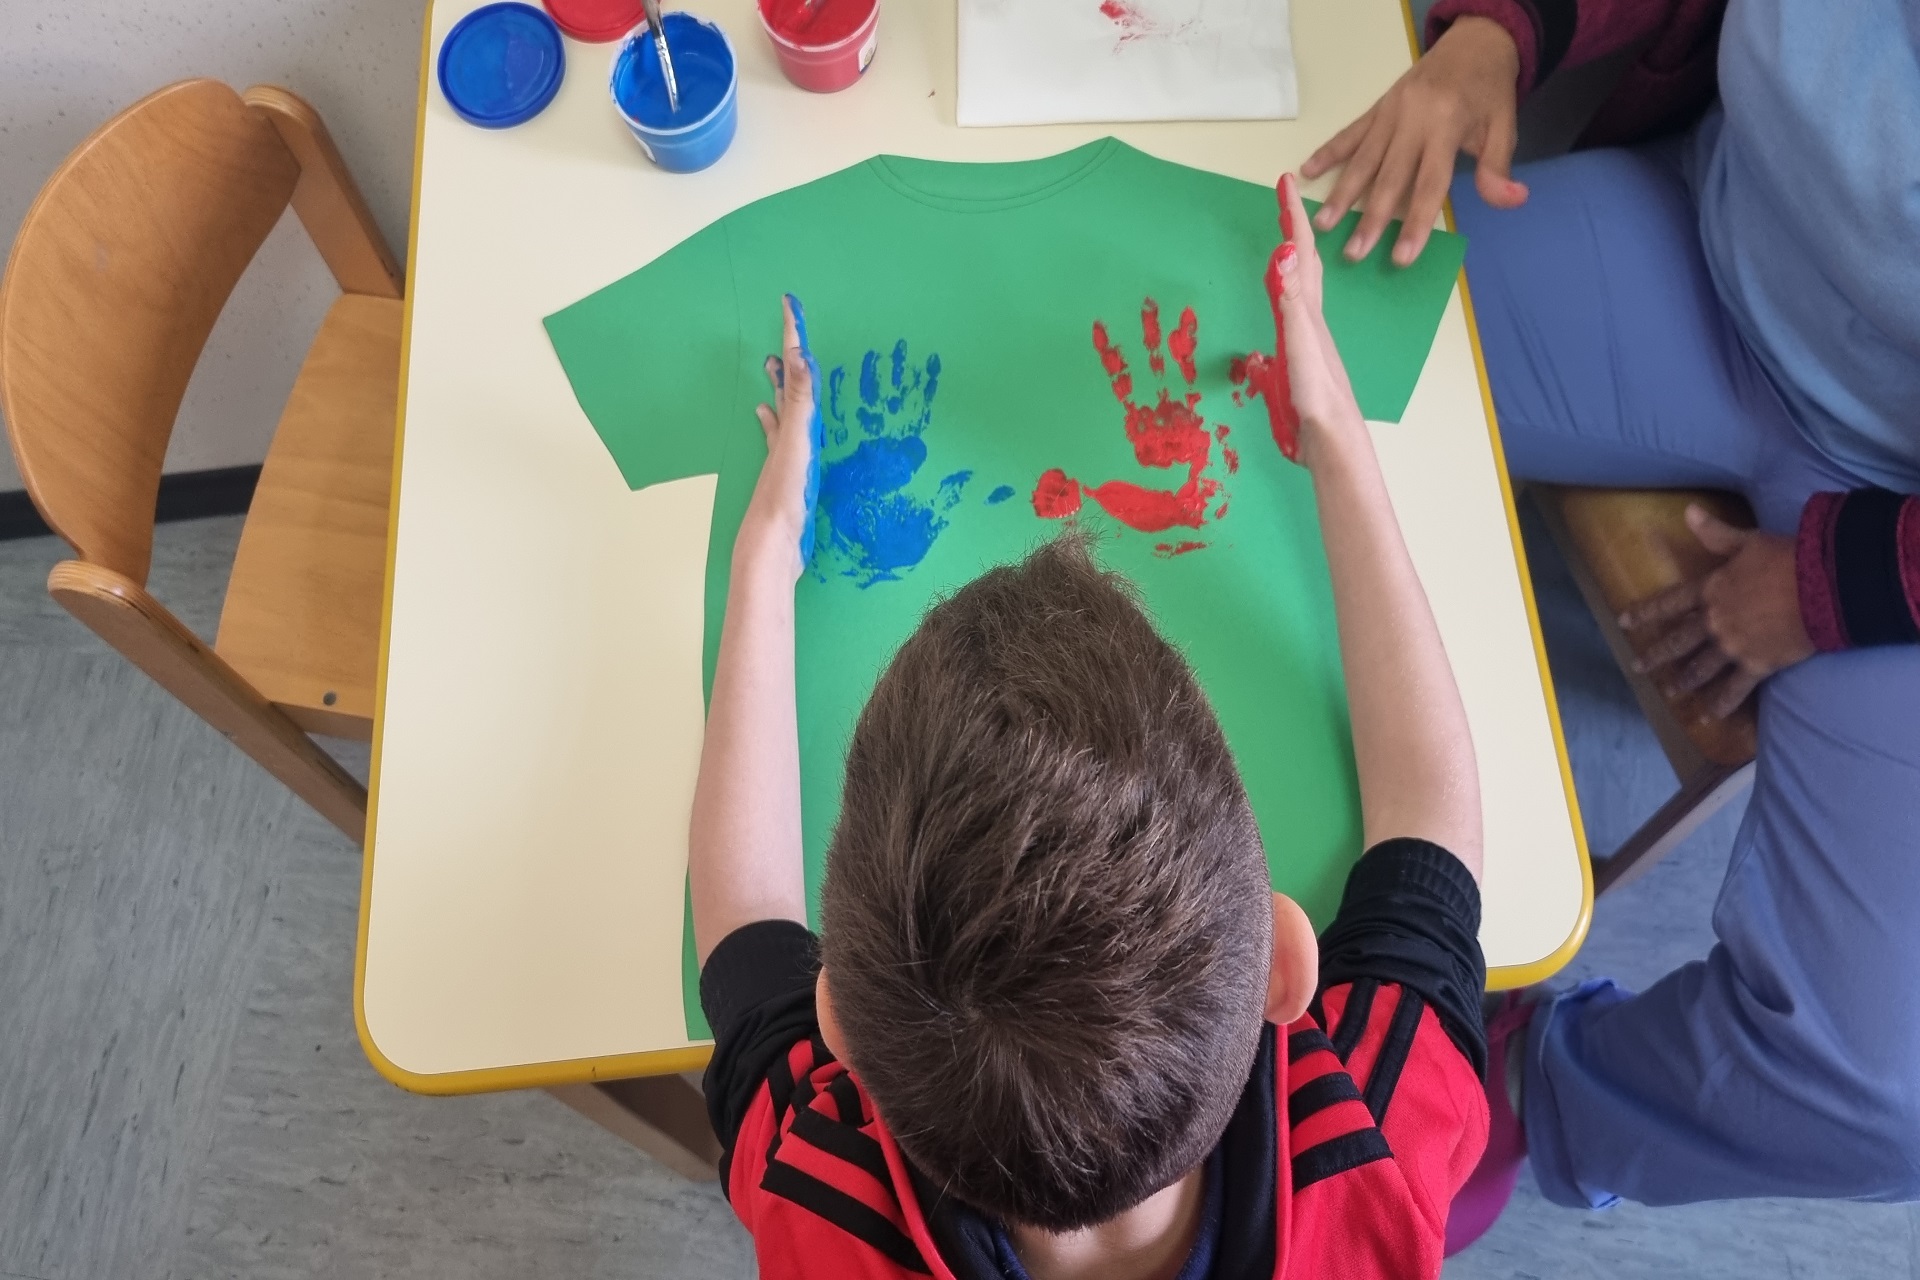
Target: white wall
{"type": "Point", "coordinates": [66, 66]}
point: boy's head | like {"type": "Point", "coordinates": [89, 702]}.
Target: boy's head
{"type": "Point", "coordinates": [1046, 924]}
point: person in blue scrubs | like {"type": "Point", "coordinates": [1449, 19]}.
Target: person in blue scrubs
{"type": "Point", "coordinates": [1737, 306]}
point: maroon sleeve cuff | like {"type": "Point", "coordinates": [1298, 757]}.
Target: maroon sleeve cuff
{"type": "Point", "coordinates": [1857, 567]}
{"type": "Point", "coordinates": [1511, 14]}
{"type": "Point", "coordinates": [1814, 572]}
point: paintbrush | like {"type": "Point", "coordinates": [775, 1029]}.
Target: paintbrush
{"type": "Point", "coordinates": [652, 8]}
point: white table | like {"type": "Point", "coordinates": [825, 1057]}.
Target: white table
{"type": "Point", "coordinates": [540, 688]}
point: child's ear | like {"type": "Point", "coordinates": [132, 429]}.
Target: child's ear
{"type": "Point", "coordinates": [829, 1025]}
{"type": "Point", "coordinates": [1295, 971]}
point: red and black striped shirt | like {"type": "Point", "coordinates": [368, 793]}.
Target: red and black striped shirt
{"type": "Point", "coordinates": [1357, 1124]}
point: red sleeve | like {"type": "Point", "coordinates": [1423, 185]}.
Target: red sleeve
{"type": "Point", "coordinates": [1423, 1094]}
{"type": "Point", "coordinates": [1386, 1118]}
{"type": "Point", "coordinates": [810, 1181]}
{"type": "Point", "coordinates": [1551, 34]}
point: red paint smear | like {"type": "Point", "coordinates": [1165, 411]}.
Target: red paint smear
{"type": "Point", "coordinates": [1166, 434]}
{"type": "Point", "coordinates": [1154, 510]}
{"type": "Point", "coordinates": [1150, 331]}
{"type": "Point", "coordinates": [1266, 376]}
{"type": "Point", "coordinates": [816, 22]}
{"type": "Point", "coordinates": [1056, 496]}
{"type": "Point", "coordinates": [1114, 363]}
{"type": "Point", "coordinates": [1181, 342]}
{"type": "Point", "coordinates": [1132, 23]}
{"type": "Point", "coordinates": [1168, 550]}
{"type": "Point", "coordinates": [1233, 460]}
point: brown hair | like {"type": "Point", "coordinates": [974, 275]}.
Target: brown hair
{"type": "Point", "coordinates": [1046, 915]}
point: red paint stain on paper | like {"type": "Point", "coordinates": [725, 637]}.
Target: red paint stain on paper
{"type": "Point", "coordinates": [1133, 24]}
{"type": "Point", "coordinates": [1168, 550]}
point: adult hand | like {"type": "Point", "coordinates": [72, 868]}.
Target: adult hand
{"type": "Point", "coordinates": [1730, 629]}
{"type": "Point", "coordinates": [777, 512]}
{"type": "Point", "coordinates": [1461, 96]}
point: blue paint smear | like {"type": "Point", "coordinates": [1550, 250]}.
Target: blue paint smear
{"type": "Point", "coordinates": [875, 526]}
{"type": "Point", "coordinates": [1000, 495]}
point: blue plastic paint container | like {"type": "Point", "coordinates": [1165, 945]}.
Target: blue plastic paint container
{"type": "Point", "coordinates": [700, 131]}
{"type": "Point", "coordinates": [501, 65]}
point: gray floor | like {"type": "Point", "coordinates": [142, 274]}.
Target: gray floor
{"type": "Point", "coordinates": [181, 1092]}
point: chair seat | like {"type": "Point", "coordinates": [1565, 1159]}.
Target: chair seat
{"type": "Point", "coordinates": [1630, 545]}
{"type": "Point", "coordinates": [302, 614]}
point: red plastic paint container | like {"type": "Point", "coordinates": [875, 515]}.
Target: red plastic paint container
{"type": "Point", "coordinates": [824, 45]}
{"type": "Point", "coordinates": [596, 20]}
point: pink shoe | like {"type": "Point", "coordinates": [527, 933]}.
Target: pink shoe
{"type": "Point", "coordinates": [1490, 1186]}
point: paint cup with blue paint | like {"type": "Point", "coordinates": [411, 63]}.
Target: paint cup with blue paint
{"type": "Point", "coordinates": [699, 132]}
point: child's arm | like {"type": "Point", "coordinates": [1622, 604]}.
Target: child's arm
{"type": "Point", "coordinates": [744, 842]}
{"type": "Point", "coordinates": [1410, 740]}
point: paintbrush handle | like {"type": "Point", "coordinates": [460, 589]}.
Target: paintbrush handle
{"type": "Point", "coordinates": [659, 29]}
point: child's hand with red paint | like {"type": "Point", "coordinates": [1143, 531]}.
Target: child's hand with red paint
{"type": "Point", "coordinates": [777, 513]}
{"type": "Point", "coordinates": [1316, 377]}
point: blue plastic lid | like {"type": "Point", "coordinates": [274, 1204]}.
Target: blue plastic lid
{"type": "Point", "coordinates": [502, 64]}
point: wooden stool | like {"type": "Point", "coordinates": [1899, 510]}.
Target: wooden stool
{"type": "Point", "coordinates": [1624, 545]}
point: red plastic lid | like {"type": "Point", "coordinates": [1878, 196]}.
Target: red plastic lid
{"type": "Point", "coordinates": [596, 20]}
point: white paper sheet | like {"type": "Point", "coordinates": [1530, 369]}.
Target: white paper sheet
{"type": "Point", "coordinates": [1081, 61]}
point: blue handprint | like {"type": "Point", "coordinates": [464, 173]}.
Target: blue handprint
{"type": "Point", "coordinates": [875, 526]}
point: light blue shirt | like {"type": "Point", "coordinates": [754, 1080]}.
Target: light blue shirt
{"type": "Point", "coordinates": [1808, 182]}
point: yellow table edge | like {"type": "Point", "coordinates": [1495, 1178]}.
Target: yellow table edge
{"type": "Point", "coordinates": [692, 1058]}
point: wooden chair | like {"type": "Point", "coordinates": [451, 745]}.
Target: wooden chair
{"type": "Point", "coordinates": [1624, 546]}
{"type": "Point", "coordinates": [119, 271]}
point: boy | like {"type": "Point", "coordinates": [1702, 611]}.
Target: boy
{"type": "Point", "coordinates": [1057, 1026]}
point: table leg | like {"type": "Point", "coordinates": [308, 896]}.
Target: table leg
{"type": "Point", "coordinates": [664, 1116]}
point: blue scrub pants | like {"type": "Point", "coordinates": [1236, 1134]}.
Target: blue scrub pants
{"type": "Point", "coordinates": [1786, 1063]}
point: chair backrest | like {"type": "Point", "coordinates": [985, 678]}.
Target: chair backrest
{"type": "Point", "coordinates": [121, 268]}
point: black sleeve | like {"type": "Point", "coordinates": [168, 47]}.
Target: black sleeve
{"type": "Point", "coordinates": [757, 992]}
{"type": "Point", "coordinates": [1411, 916]}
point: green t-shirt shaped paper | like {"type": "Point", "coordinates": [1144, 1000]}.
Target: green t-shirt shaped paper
{"type": "Point", "coordinates": [1000, 343]}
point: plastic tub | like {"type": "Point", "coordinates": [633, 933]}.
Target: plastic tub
{"type": "Point", "coordinates": [824, 45]}
{"type": "Point", "coordinates": [501, 65]}
{"type": "Point", "coordinates": [708, 77]}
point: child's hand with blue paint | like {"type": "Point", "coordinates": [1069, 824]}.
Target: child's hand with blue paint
{"type": "Point", "coordinates": [779, 518]}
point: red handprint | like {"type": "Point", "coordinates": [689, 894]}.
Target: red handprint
{"type": "Point", "coordinates": [1165, 433]}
